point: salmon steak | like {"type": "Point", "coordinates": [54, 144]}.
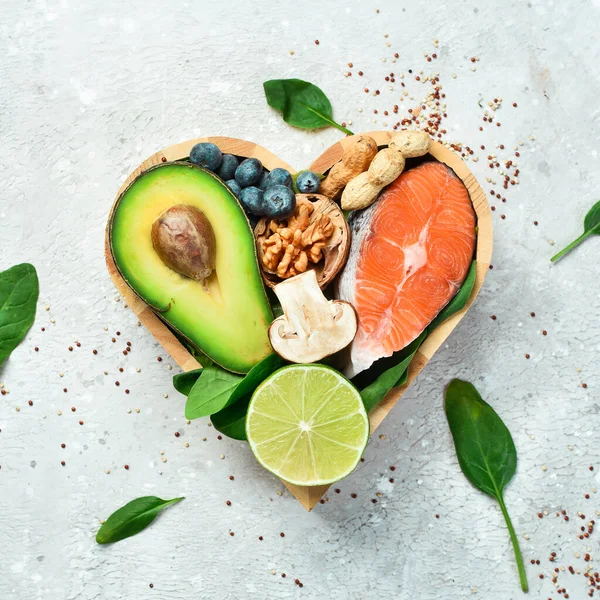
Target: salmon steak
{"type": "Point", "coordinates": [410, 253]}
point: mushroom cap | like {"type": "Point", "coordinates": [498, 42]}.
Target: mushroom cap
{"type": "Point", "coordinates": [311, 327]}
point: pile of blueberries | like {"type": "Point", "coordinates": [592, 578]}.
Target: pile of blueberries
{"type": "Point", "coordinates": [261, 193]}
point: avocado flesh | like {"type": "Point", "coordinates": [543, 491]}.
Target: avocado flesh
{"type": "Point", "coordinates": [229, 320]}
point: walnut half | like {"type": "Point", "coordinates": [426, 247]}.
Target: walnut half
{"type": "Point", "coordinates": [316, 236]}
{"type": "Point", "coordinates": [297, 241]}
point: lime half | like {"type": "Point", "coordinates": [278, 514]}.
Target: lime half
{"type": "Point", "coordinates": [307, 424]}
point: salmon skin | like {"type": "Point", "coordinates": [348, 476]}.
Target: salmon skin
{"type": "Point", "coordinates": [410, 253]}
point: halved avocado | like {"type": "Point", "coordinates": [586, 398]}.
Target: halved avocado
{"type": "Point", "coordinates": [229, 320]}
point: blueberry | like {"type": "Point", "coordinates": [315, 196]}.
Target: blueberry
{"type": "Point", "coordinates": [308, 182]}
{"type": "Point", "coordinates": [249, 172]}
{"type": "Point", "coordinates": [252, 200]}
{"type": "Point", "coordinates": [206, 155]}
{"type": "Point", "coordinates": [280, 177]}
{"type": "Point", "coordinates": [279, 202]}
{"type": "Point", "coordinates": [234, 186]}
{"type": "Point", "coordinates": [264, 180]}
{"type": "Point", "coordinates": [228, 166]}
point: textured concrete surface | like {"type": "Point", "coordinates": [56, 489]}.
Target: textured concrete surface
{"type": "Point", "coordinates": [89, 89]}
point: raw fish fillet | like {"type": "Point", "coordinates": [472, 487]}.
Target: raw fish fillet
{"type": "Point", "coordinates": [410, 253]}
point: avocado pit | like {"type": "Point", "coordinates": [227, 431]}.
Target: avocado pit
{"type": "Point", "coordinates": [184, 240]}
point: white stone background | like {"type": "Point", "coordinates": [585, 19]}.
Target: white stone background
{"type": "Point", "coordinates": [89, 89]}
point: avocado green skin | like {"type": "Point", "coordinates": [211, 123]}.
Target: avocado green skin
{"type": "Point", "coordinates": [230, 322]}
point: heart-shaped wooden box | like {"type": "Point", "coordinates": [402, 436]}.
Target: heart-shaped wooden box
{"type": "Point", "coordinates": [309, 496]}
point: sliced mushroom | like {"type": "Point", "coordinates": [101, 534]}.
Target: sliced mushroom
{"type": "Point", "coordinates": [311, 326]}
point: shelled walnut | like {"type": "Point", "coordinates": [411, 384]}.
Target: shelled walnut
{"type": "Point", "coordinates": [295, 243]}
{"type": "Point", "coordinates": [315, 237]}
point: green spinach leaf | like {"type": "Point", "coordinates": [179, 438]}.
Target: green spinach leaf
{"type": "Point", "coordinates": [211, 392]}
{"type": "Point", "coordinates": [19, 290]}
{"type": "Point", "coordinates": [460, 299]}
{"type": "Point", "coordinates": [404, 377]}
{"type": "Point", "coordinates": [302, 104]}
{"type": "Point", "coordinates": [485, 449]}
{"type": "Point", "coordinates": [231, 421]}
{"type": "Point", "coordinates": [184, 382]}
{"type": "Point", "coordinates": [277, 310]}
{"type": "Point", "coordinates": [212, 389]}
{"type": "Point", "coordinates": [393, 377]}
{"type": "Point", "coordinates": [257, 374]}
{"type": "Point", "coordinates": [132, 518]}
{"type": "Point", "coordinates": [591, 226]}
